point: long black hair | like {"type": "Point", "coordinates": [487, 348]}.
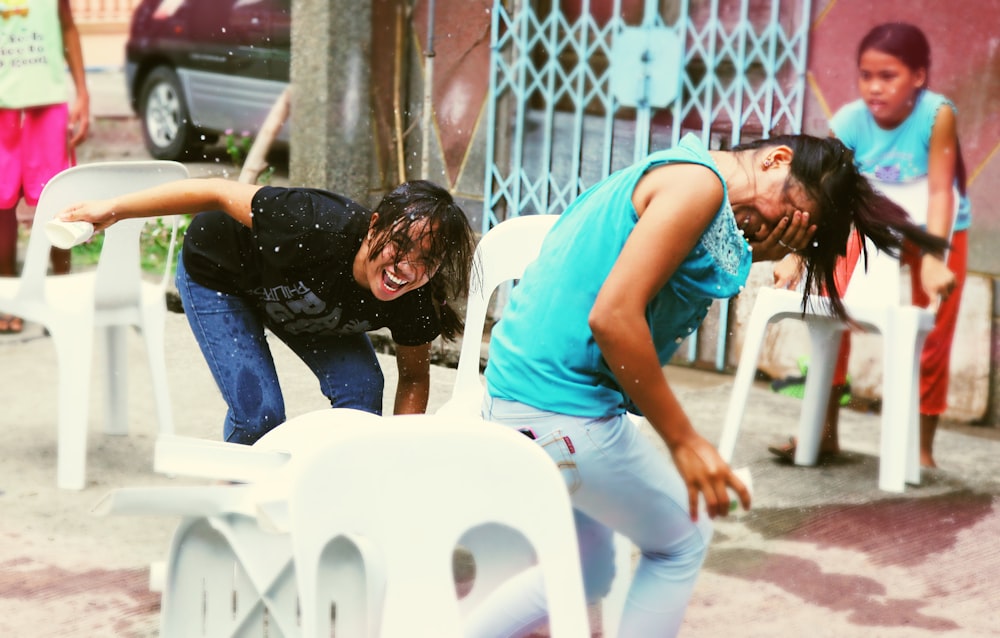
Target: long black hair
{"type": "Point", "coordinates": [451, 242]}
{"type": "Point", "coordinates": [825, 169]}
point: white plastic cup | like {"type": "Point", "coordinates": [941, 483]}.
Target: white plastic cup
{"type": "Point", "coordinates": [735, 509]}
{"type": "Point", "coordinates": [742, 474]}
{"type": "Point", "coordinates": [65, 235]}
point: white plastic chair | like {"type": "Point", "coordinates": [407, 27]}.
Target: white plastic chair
{"type": "Point", "coordinates": [501, 256]}
{"type": "Point", "coordinates": [232, 579]}
{"type": "Point", "coordinates": [111, 298]}
{"type": "Point", "coordinates": [229, 569]}
{"type": "Point", "coordinates": [391, 501]}
{"type": "Point", "coordinates": [229, 578]}
{"type": "Point", "coordinates": [227, 575]}
{"type": "Point", "coordinates": [872, 300]}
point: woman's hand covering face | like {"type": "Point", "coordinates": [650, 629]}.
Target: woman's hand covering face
{"type": "Point", "coordinates": [789, 235]}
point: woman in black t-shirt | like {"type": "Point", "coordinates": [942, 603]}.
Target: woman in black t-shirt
{"type": "Point", "coordinates": [319, 271]}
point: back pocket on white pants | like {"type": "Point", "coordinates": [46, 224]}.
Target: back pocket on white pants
{"type": "Point", "coordinates": [560, 449]}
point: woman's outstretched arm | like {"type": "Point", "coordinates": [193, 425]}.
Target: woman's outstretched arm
{"type": "Point", "coordinates": [181, 197]}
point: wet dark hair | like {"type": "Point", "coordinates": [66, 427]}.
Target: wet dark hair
{"type": "Point", "coordinates": [826, 171]}
{"type": "Point", "coordinates": [908, 43]}
{"type": "Point", "coordinates": [451, 242]}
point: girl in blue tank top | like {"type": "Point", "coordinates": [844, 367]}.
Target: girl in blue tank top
{"type": "Point", "coordinates": [623, 277]}
{"type": "Point", "coordinates": [902, 132]}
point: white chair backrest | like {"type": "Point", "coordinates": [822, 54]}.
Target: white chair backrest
{"type": "Point", "coordinates": [410, 486]}
{"type": "Point", "coordinates": [502, 255]}
{"type": "Point", "coordinates": [881, 283]}
{"type": "Point", "coordinates": [913, 196]}
{"type": "Point", "coordinates": [118, 270]}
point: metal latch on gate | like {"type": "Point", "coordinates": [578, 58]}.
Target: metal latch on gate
{"type": "Point", "coordinates": [645, 66]}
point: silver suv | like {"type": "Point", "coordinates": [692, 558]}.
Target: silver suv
{"type": "Point", "coordinates": [196, 69]}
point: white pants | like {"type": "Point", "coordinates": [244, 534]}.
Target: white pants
{"type": "Point", "coordinates": [618, 480]}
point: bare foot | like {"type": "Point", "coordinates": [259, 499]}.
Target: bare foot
{"type": "Point", "coordinates": [926, 460]}
{"type": "Point", "coordinates": [9, 324]}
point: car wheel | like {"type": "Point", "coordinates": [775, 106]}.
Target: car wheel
{"type": "Point", "coordinates": [166, 125]}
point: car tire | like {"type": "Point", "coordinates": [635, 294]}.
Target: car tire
{"type": "Point", "coordinates": [166, 125]}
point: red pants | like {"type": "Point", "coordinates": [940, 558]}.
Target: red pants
{"type": "Point", "coordinates": [936, 355]}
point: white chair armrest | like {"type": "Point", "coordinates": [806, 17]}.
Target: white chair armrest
{"type": "Point", "coordinates": [196, 500]}
{"type": "Point", "coordinates": [189, 456]}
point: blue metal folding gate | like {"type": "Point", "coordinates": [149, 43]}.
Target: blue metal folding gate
{"type": "Point", "coordinates": [573, 99]}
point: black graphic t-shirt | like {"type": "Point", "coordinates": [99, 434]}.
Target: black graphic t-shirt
{"type": "Point", "coordinates": [296, 265]}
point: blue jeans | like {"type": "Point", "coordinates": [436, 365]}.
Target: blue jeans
{"type": "Point", "coordinates": [230, 331]}
{"type": "Point", "coordinates": [620, 481]}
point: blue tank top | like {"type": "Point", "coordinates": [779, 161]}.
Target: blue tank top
{"type": "Point", "coordinates": [900, 154]}
{"type": "Point", "coordinates": [542, 352]}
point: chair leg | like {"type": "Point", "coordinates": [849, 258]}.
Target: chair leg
{"type": "Point", "coordinates": [197, 597]}
{"type": "Point", "coordinates": [115, 379]}
{"type": "Point", "coordinates": [74, 350]}
{"type": "Point", "coordinates": [895, 421]}
{"type": "Point", "coordinates": [899, 456]}
{"type": "Point", "coordinates": [913, 468]}
{"type": "Point", "coordinates": [824, 342]}
{"type": "Point", "coordinates": [353, 582]}
{"type": "Point", "coordinates": [742, 382]}
{"type": "Point", "coordinates": [153, 328]}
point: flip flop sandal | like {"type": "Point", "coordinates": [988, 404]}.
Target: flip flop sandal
{"type": "Point", "coordinates": [787, 453]}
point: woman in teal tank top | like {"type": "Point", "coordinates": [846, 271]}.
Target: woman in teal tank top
{"type": "Point", "coordinates": [626, 273]}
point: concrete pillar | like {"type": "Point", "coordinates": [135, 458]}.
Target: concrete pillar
{"type": "Point", "coordinates": [331, 140]}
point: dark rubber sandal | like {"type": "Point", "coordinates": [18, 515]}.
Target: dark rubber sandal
{"type": "Point", "coordinates": [787, 453]}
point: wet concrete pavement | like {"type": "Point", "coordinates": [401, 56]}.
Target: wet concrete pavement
{"type": "Point", "coordinates": [822, 553]}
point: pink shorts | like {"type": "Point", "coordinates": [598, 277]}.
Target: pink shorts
{"type": "Point", "coordinates": [33, 148]}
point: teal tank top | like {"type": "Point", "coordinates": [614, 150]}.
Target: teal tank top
{"type": "Point", "coordinates": [542, 352]}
